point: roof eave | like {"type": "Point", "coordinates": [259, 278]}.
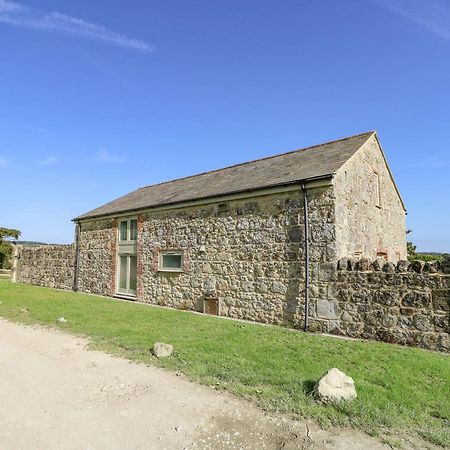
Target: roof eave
{"type": "Point", "coordinates": [209, 197]}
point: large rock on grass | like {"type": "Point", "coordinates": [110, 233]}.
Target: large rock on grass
{"type": "Point", "coordinates": [161, 350]}
{"type": "Point", "coordinates": [334, 387]}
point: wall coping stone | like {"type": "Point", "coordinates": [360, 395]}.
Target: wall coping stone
{"type": "Point", "coordinates": [402, 266]}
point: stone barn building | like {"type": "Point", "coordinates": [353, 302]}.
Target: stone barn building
{"type": "Point", "coordinates": [235, 241]}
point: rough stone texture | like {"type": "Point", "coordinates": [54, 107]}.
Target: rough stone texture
{"type": "Point", "coordinates": [404, 307]}
{"type": "Point", "coordinates": [250, 256]}
{"type": "Point", "coordinates": [378, 264]}
{"type": "Point", "coordinates": [161, 350]}
{"type": "Point", "coordinates": [46, 265]}
{"type": "Point", "coordinates": [97, 257]}
{"type": "Point", "coordinates": [327, 309]}
{"type": "Point", "coordinates": [364, 229]}
{"type": "Point", "coordinates": [335, 386]}
{"type": "Point", "coordinates": [445, 264]}
{"type": "Point", "coordinates": [418, 266]}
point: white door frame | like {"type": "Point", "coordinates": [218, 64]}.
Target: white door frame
{"type": "Point", "coordinates": [128, 249]}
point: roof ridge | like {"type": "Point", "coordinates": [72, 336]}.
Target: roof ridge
{"type": "Point", "coordinates": [257, 159]}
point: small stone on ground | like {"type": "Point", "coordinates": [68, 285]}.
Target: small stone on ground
{"type": "Point", "coordinates": [335, 386]}
{"type": "Point", "coordinates": [161, 350]}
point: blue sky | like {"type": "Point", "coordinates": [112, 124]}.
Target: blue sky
{"type": "Point", "coordinates": [99, 97]}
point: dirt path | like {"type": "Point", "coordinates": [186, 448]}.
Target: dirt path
{"type": "Point", "coordinates": [55, 394]}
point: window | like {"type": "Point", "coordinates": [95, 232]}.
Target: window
{"type": "Point", "coordinates": [127, 275]}
{"type": "Point", "coordinates": [128, 230]}
{"type": "Point", "coordinates": [124, 231]}
{"type": "Point", "coordinates": [133, 230]}
{"type": "Point", "coordinates": [171, 261]}
{"type": "Point", "coordinates": [377, 190]}
{"type": "Point", "coordinates": [126, 272]}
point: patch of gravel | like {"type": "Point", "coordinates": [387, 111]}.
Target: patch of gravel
{"type": "Point", "coordinates": [56, 394]}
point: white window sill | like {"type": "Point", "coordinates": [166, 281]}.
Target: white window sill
{"type": "Point", "coordinates": [171, 270]}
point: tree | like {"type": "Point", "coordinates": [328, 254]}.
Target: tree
{"type": "Point", "coordinates": [7, 235]}
{"type": "Point", "coordinates": [410, 247]}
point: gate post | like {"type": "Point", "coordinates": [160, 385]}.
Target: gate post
{"type": "Point", "coordinates": [15, 257]}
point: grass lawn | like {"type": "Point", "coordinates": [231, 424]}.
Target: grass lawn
{"type": "Point", "coordinates": [400, 390]}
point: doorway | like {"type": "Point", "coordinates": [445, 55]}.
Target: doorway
{"type": "Point", "coordinates": [127, 274]}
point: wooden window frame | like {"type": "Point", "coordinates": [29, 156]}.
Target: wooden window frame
{"type": "Point", "coordinates": [161, 267]}
{"type": "Point", "coordinates": [128, 221]}
{"type": "Point", "coordinates": [126, 248]}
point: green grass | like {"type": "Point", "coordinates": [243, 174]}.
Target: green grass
{"type": "Point", "coordinates": [400, 390]}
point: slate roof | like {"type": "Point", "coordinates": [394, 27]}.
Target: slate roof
{"type": "Point", "coordinates": [283, 169]}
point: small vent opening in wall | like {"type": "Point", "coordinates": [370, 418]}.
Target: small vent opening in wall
{"type": "Point", "coordinates": [223, 207]}
{"type": "Point", "coordinates": [211, 306]}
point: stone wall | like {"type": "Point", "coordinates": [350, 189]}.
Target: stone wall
{"type": "Point", "coordinates": [97, 257]}
{"type": "Point", "coordinates": [404, 303]}
{"type": "Point", "coordinates": [248, 253]}
{"type": "Point", "coordinates": [365, 228]}
{"type": "Point", "coordinates": [46, 265]}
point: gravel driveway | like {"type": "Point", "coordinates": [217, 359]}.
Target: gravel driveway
{"type": "Point", "coordinates": [56, 394]}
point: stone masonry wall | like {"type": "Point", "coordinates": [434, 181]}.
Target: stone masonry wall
{"type": "Point", "coordinates": [365, 228]}
{"type": "Point", "coordinates": [250, 255]}
{"type": "Point", "coordinates": [405, 303]}
{"type": "Point", "coordinates": [97, 257]}
{"type": "Point", "coordinates": [46, 265]}
{"type": "Point", "coordinates": [247, 253]}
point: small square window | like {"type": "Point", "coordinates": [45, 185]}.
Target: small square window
{"type": "Point", "coordinates": [128, 230]}
{"type": "Point", "coordinates": [171, 261]}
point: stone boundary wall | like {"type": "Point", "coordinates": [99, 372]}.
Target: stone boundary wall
{"type": "Point", "coordinates": [45, 265]}
{"type": "Point", "coordinates": [401, 303]}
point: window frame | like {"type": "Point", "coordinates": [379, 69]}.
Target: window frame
{"type": "Point", "coordinates": [127, 249]}
{"type": "Point", "coordinates": [119, 229]}
{"type": "Point", "coordinates": [161, 267]}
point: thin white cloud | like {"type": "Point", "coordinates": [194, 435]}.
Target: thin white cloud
{"type": "Point", "coordinates": [433, 15]}
{"type": "Point", "coordinates": [12, 7]}
{"type": "Point", "coordinates": [3, 161]}
{"type": "Point", "coordinates": [105, 157]}
{"type": "Point", "coordinates": [20, 15]}
{"type": "Point", "coordinates": [48, 161]}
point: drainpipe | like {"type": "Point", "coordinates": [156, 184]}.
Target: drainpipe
{"type": "Point", "coordinates": [305, 219]}
{"type": "Point", "coordinates": [77, 256]}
